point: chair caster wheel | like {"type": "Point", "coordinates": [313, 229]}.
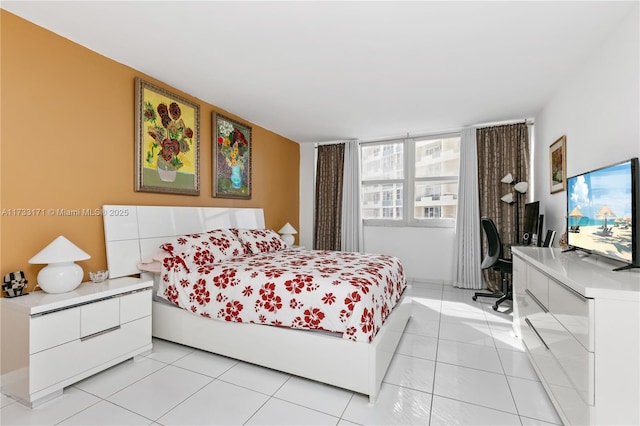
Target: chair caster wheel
{"type": "Point", "coordinates": [474, 298]}
{"type": "Point", "coordinates": [495, 307]}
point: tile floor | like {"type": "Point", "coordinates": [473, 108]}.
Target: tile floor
{"type": "Point", "coordinates": [458, 363]}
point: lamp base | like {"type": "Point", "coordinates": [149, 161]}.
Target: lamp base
{"type": "Point", "coordinates": [60, 277]}
{"type": "Point", "coordinates": [288, 239]}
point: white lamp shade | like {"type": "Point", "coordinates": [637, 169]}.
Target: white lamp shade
{"type": "Point", "coordinates": [59, 250]}
{"type": "Point", "coordinates": [287, 229]}
{"type": "Point", "coordinates": [521, 187]}
{"type": "Point", "coordinates": [507, 198]}
{"type": "Point", "coordinates": [61, 275]}
{"type": "Point", "coordinates": [507, 179]}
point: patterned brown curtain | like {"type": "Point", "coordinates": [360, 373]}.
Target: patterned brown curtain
{"type": "Point", "coordinates": [328, 209]}
{"type": "Point", "coordinates": [502, 150]}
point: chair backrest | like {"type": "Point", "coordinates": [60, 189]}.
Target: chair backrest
{"type": "Point", "coordinates": [494, 251]}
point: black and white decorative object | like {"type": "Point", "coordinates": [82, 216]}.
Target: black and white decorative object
{"type": "Point", "coordinates": [14, 284]}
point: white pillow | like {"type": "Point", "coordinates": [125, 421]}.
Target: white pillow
{"type": "Point", "coordinates": [206, 248]}
{"type": "Point", "coordinates": [261, 240]}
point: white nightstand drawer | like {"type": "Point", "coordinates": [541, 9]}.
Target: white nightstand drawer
{"type": "Point", "coordinates": [574, 312]}
{"type": "Point", "coordinates": [134, 306]}
{"type": "Point", "coordinates": [66, 362]}
{"type": "Point", "coordinates": [99, 316]}
{"type": "Point", "coordinates": [54, 329]}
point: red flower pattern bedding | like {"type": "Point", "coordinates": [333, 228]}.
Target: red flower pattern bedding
{"type": "Point", "coordinates": [341, 292]}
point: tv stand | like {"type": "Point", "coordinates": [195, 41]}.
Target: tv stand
{"type": "Point", "coordinates": [574, 248]}
{"type": "Point", "coordinates": [629, 266]}
{"type": "Point", "coordinates": [620, 268]}
{"type": "Point", "coordinates": [579, 322]}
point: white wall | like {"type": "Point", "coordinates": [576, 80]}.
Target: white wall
{"type": "Point", "coordinates": [598, 110]}
{"type": "Point", "coordinates": [426, 253]}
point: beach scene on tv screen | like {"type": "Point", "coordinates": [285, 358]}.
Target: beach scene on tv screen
{"type": "Point", "coordinates": [599, 212]}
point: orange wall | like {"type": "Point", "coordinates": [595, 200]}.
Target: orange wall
{"type": "Point", "coordinates": [67, 142]}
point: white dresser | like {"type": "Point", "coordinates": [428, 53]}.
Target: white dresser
{"type": "Point", "coordinates": [580, 323]}
{"type": "Point", "coordinates": [50, 341]}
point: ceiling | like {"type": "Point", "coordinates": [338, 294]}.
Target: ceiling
{"type": "Point", "coordinates": [326, 71]}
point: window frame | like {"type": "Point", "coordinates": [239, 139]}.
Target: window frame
{"type": "Point", "coordinates": [408, 182]}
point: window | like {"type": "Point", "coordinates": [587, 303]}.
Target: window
{"type": "Point", "coordinates": [419, 173]}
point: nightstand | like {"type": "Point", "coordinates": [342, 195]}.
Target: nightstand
{"type": "Point", "coordinates": [50, 341]}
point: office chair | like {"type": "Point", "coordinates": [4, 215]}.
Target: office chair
{"type": "Point", "coordinates": [493, 259]}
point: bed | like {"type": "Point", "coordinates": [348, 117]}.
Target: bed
{"type": "Point", "coordinates": [356, 361]}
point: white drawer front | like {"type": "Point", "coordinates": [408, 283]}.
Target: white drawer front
{"type": "Point", "coordinates": [134, 306]}
{"type": "Point", "coordinates": [575, 360]}
{"type": "Point", "coordinates": [573, 406]}
{"type": "Point", "coordinates": [562, 389]}
{"type": "Point", "coordinates": [539, 286]}
{"type": "Point", "coordinates": [99, 316]}
{"type": "Point", "coordinates": [575, 313]}
{"type": "Point", "coordinates": [54, 329]}
{"type": "Point", "coordinates": [65, 362]}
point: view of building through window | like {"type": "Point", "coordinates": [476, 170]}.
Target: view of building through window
{"type": "Point", "coordinates": [436, 178]}
{"type": "Point", "coordinates": [419, 174]}
{"type": "Point", "coordinates": [383, 180]}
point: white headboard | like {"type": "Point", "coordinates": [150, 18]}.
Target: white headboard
{"type": "Point", "coordinates": [133, 233]}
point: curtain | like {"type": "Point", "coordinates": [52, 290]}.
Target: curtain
{"type": "Point", "coordinates": [328, 206]}
{"type": "Point", "coordinates": [467, 255]}
{"type": "Point", "coordinates": [502, 150]}
{"type": "Point", "coordinates": [351, 222]}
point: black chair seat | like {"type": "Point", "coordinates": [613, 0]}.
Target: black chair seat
{"type": "Point", "coordinates": [494, 259]}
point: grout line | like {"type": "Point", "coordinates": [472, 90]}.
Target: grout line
{"type": "Point", "coordinates": [435, 363]}
{"type": "Point", "coordinates": [84, 409]}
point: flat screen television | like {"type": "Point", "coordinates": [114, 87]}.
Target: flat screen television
{"type": "Point", "coordinates": [603, 212]}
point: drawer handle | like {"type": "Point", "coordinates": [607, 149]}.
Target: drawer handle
{"type": "Point", "coordinates": [536, 332]}
{"type": "Point", "coordinates": [571, 291]}
{"type": "Point", "coordinates": [535, 299]}
{"type": "Point", "coordinates": [99, 333]}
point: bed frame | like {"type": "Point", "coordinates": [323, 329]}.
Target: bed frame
{"type": "Point", "coordinates": [133, 233]}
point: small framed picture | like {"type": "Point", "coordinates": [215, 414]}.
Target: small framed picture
{"type": "Point", "coordinates": [167, 141]}
{"type": "Point", "coordinates": [558, 165]}
{"type": "Point", "coordinates": [231, 158]}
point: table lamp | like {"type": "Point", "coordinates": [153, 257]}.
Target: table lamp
{"type": "Point", "coordinates": [61, 274]}
{"type": "Point", "coordinates": [287, 232]}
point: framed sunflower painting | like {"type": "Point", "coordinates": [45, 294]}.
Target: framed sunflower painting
{"type": "Point", "coordinates": [231, 158]}
{"type": "Point", "coordinates": [167, 141]}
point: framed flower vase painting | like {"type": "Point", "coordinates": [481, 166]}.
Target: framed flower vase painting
{"type": "Point", "coordinates": [167, 141]}
{"type": "Point", "coordinates": [558, 165]}
{"type": "Point", "coordinates": [231, 158]}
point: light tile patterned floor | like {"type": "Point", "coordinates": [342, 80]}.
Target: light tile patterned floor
{"type": "Point", "coordinates": [458, 363]}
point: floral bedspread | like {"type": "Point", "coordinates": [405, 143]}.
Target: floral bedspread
{"type": "Point", "coordinates": [341, 292]}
